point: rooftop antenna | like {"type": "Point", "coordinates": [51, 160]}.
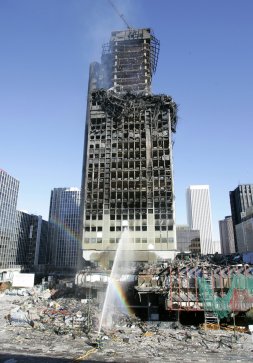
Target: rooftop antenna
{"type": "Point", "coordinates": [120, 15]}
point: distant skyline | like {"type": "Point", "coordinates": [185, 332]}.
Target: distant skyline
{"type": "Point", "coordinates": [205, 64]}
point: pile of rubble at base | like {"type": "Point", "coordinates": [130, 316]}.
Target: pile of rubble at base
{"type": "Point", "coordinates": [162, 342]}
{"type": "Point", "coordinates": [42, 311]}
{"type": "Point", "coordinates": [36, 322]}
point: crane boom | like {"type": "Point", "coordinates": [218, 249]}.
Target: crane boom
{"type": "Point", "coordinates": [120, 15]}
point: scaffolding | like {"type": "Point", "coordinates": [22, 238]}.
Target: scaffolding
{"type": "Point", "coordinates": [131, 59]}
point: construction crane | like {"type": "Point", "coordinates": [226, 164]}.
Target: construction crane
{"type": "Point", "coordinates": [120, 15]}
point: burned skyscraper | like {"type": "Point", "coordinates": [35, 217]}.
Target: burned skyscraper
{"type": "Point", "coordinates": [127, 179]}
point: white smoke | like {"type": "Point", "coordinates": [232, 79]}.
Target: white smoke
{"type": "Point", "coordinates": [100, 19]}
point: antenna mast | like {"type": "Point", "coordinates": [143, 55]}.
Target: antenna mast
{"type": "Point", "coordinates": [120, 15]}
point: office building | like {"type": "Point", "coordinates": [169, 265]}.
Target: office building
{"type": "Point", "coordinates": [23, 237]}
{"type": "Point", "coordinates": [127, 179]}
{"type": "Point", "coordinates": [188, 240]}
{"type": "Point", "coordinates": [240, 200]}
{"type": "Point", "coordinates": [9, 187]}
{"type": "Point", "coordinates": [227, 239]}
{"type": "Point", "coordinates": [199, 215]}
{"type": "Point", "coordinates": [63, 229]}
{"type": "Point", "coordinates": [244, 232]}
{"type": "Point", "coordinates": [31, 242]}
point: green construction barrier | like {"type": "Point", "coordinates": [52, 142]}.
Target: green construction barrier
{"type": "Point", "coordinates": [223, 306]}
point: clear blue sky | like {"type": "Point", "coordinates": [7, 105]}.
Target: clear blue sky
{"type": "Point", "coordinates": [205, 64]}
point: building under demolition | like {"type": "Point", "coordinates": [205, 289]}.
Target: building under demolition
{"type": "Point", "coordinates": [214, 285]}
{"type": "Point", "coordinates": [127, 178]}
{"type": "Point", "coordinates": [190, 289]}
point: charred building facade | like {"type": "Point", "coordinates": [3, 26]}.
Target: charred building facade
{"type": "Point", "coordinates": [127, 177]}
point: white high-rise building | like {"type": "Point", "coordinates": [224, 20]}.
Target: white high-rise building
{"type": "Point", "coordinates": [199, 215]}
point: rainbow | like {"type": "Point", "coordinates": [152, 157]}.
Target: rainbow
{"type": "Point", "coordinates": [120, 296]}
{"type": "Point", "coordinates": [68, 231]}
{"type": "Point", "coordinates": [115, 284]}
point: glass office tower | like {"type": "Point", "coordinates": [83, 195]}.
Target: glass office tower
{"type": "Point", "coordinates": [63, 229]}
{"type": "Point", "coordinates": [9, 187]}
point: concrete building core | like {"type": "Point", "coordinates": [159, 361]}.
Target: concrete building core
{"type": "Point", "coordinates": [127, 179]}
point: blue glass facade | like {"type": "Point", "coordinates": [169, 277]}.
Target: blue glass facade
{"type": "Point", "coordinates": [63, 233]}
{"type": "Point", "coordinates": [32, 241]}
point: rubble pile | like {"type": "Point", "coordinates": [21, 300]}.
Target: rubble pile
{"type": "Point", "coordinates": [160, 342]}
{"type": "Point", "coordinates": [62, 316]}
{"type": "Point", "coordinates": [36, 323]}
{"type": "Point", "coordinates": [157, 335]}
